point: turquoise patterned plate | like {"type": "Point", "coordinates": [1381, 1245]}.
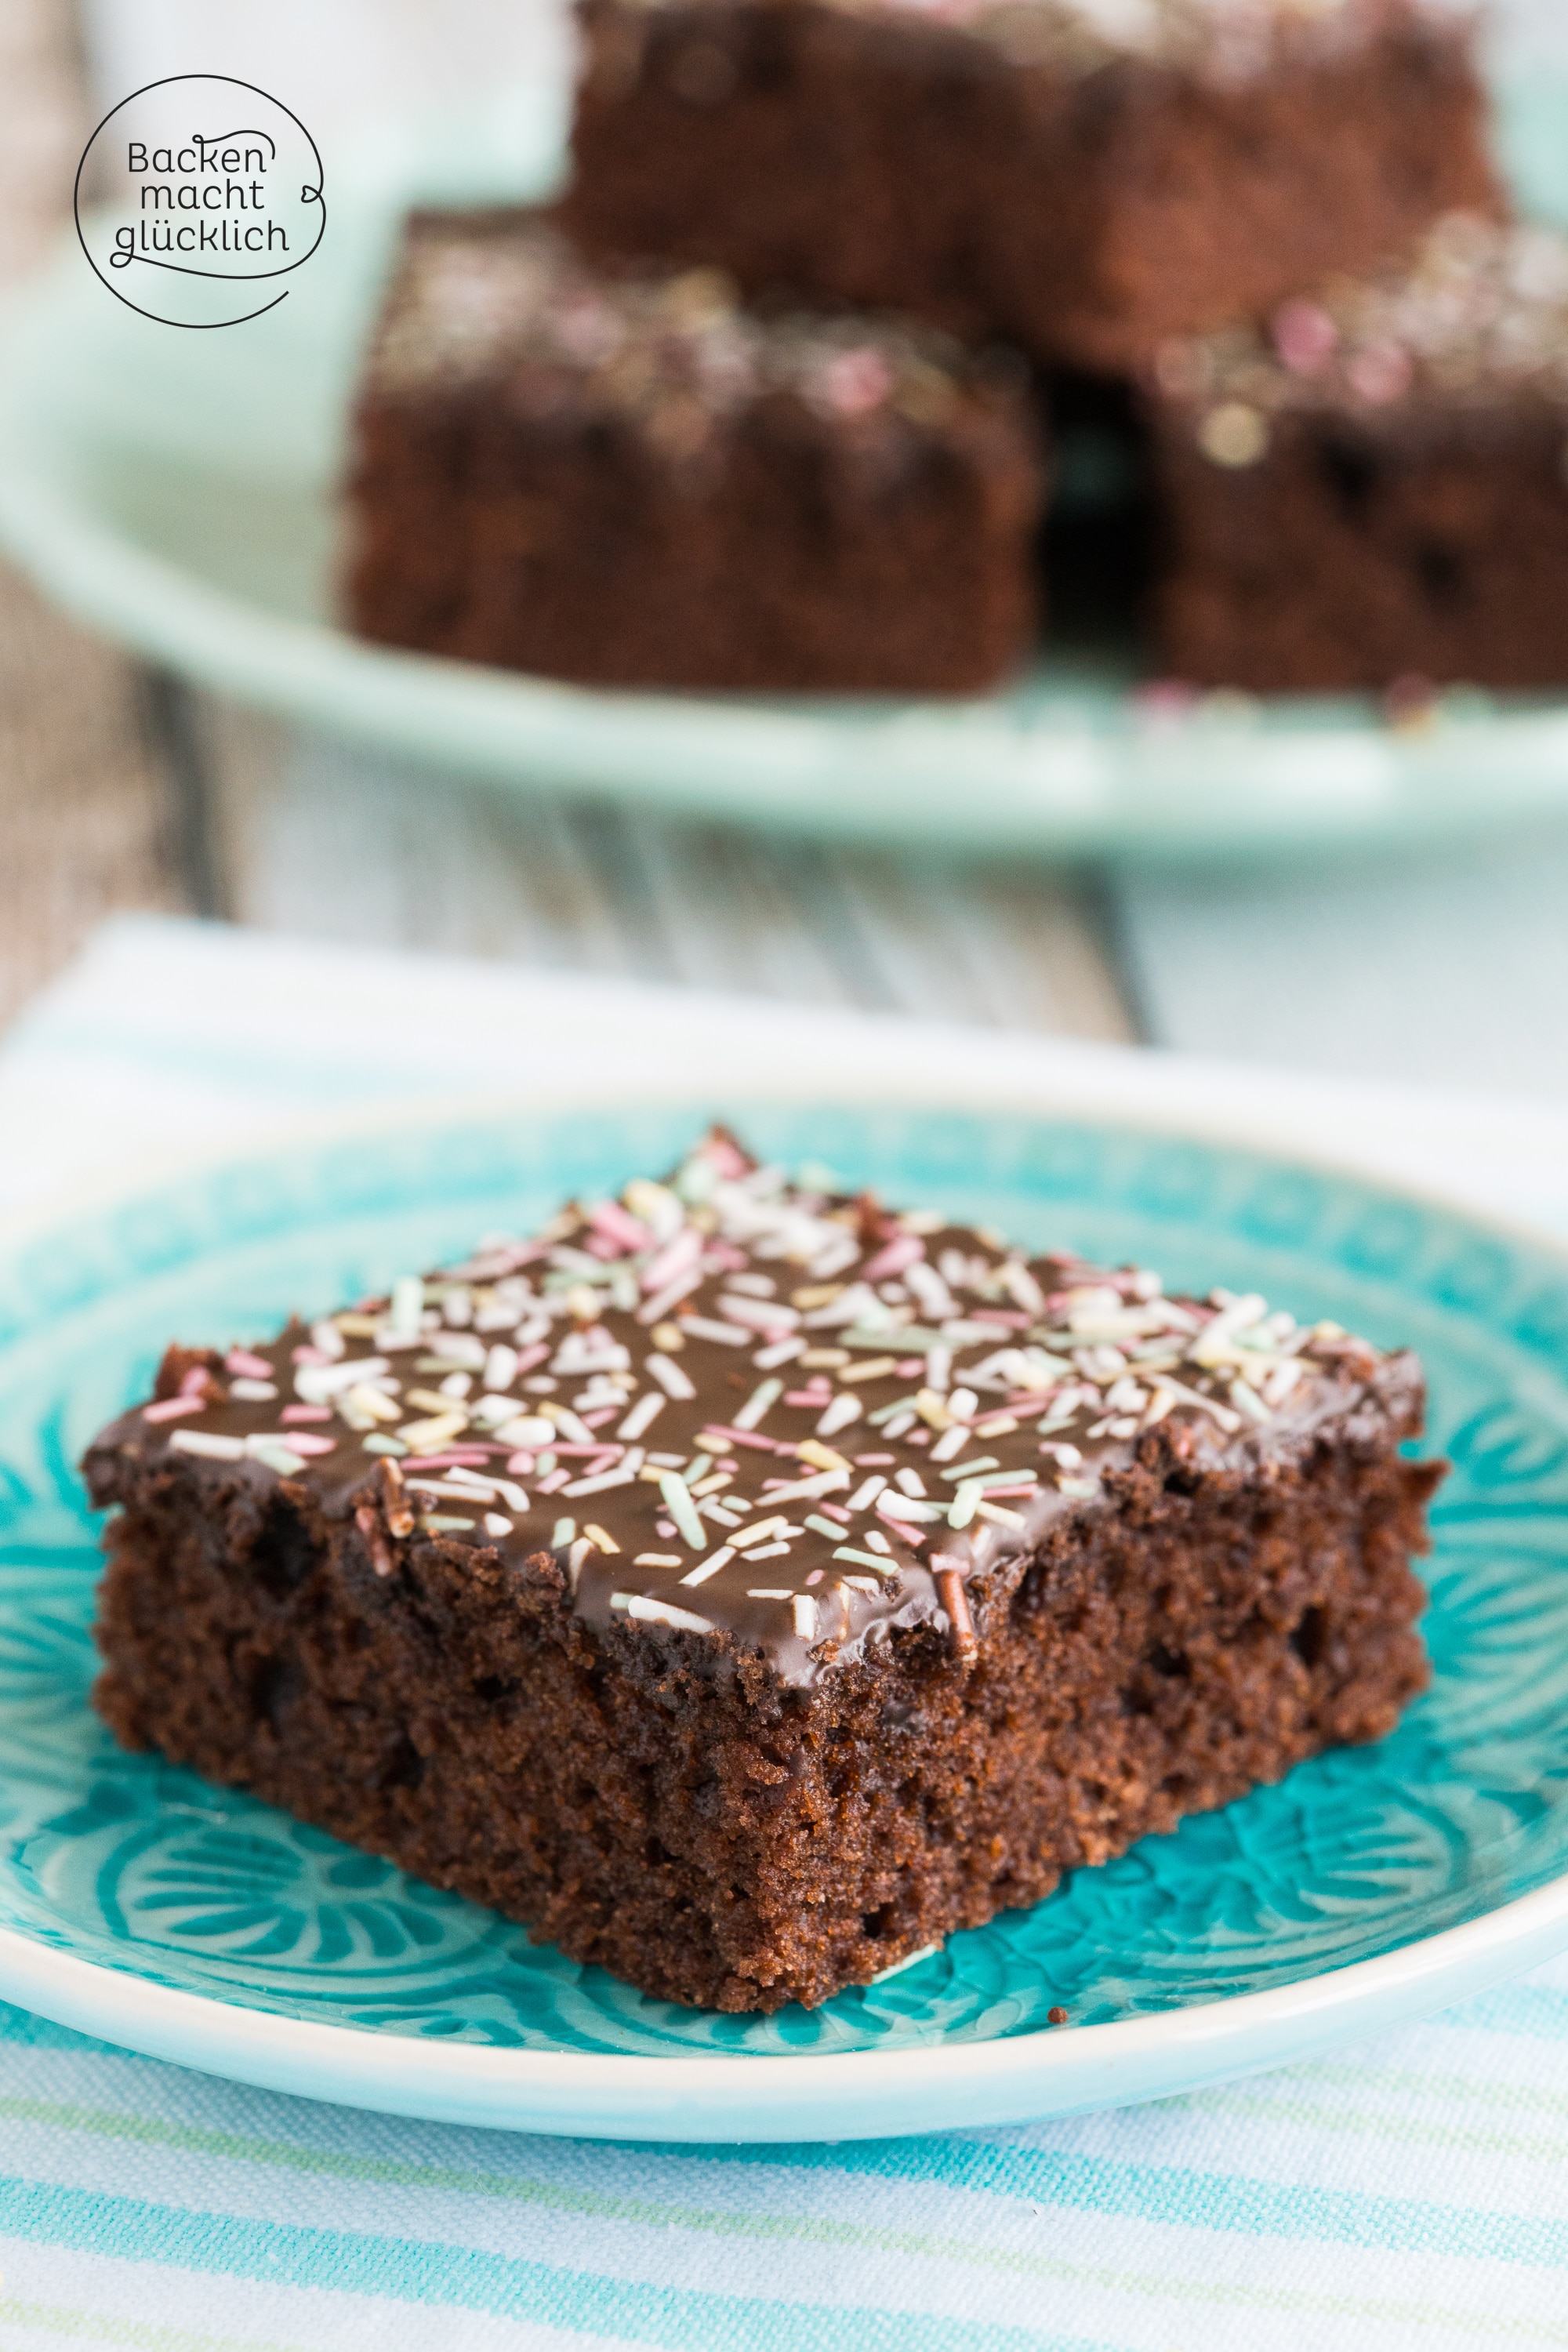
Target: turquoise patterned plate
{"type": "Point", "coordinates": [179, 491]}
{"type": "Point", "coordinates": [139, 1903]}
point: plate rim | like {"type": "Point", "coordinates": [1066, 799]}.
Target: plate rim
{"type": "Point", "coordinates": [1201, 792]}
{"type": "Point", "coordinates": [862, 2093]}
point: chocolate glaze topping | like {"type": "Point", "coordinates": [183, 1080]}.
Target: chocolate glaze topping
{"type": "Point", "coordinates": [1475, 319]}
{"type": "Point", "coordinates": [750, 1413]}
{"type": "Point", "coordinates": [500, 297]}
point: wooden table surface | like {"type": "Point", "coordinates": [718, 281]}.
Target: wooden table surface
{"type": "Point", "coordinates": [119, 789]}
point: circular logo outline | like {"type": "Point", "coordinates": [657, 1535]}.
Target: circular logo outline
{"type": "Point", "coordinates": [316, 196]}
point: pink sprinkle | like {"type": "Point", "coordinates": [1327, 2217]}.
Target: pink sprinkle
{"type": "Point", "coordinates": [874, 1461]}
{"type": "Point", "coordinates": [247, 1367]}
{"type": "Point", "coordinates": [1381, 374]}
{"type": "Point", "coordinates": [467, 1457]}
{"type": "Point", "coordinates": [1006, 1318]}
{"type": "Point", "coordinates": [675, 1257]}
{"type": "Point", "coordinates": [171, 1408]}
{"type": "Point", "coordinates": [918, 1437]}
{"type": "Point", "coordinates": [605, 1412]}
{"type": "Point", "coordinates": [816, 1576]}
{"type": "Point", "coordinates": [728, 1259]}
{"type": "Point", "coordinates": [740, 1437]}
{"type": "Point", "coordinates": [295, 1413]}
{"type": "Point", "coordinates": [556, 1478]}
{"type": "Point", "coordinates": [618, 1225]}
{"type": "Point", "coordinates": [808, 1398]}
{"type": "Point", "coordinates": [911, 1365]}
{"type": "Point", "coordinates": [310, 1356]}
{"type": "Point", "coordinates": [520, 1464]}
{"type": "Point", "coordinates": [531, 1356]}
{"type": "Point", "coordinates": [1305, 337]}
{"type": "Point", "coordinates": [665, 1526]}
{"type": "Point", "coordinates": [601, 1246]}
{"type": "Point", "coordinates": [576, 1451]}
{"type": "Point", "coordinates": [855, 381]}
{"type": "Point", "coordinates": [1026, 1487]}
{"type": "Point", "coordinates": [834, 1511]}
{"type": "Point", "coordinates": [1165, 701]}
{"type": "Point", "coordinates": [303, 1445]}
{"type": "Point", "coordinates": [196, 1381]}
{"type": "Point", "coordinates": [720, 1153]}
{"type": "Point", "coordinates": [1022, 1398]}
{"type": "Point", "coordinates": [901, 1251]}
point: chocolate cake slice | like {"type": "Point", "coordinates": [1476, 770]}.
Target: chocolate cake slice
{"type": "Point", "coordinates": [1081, 177]}
{"type": "Point", "coordinates": [746, 1586]}
{"type": "Point", "coordinates": [631, 481]}
{"type": "Point", "coordinates": [1373, 485]}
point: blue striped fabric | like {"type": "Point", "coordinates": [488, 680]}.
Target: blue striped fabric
{"type": "Point", "coordinates": [1408, 2192]}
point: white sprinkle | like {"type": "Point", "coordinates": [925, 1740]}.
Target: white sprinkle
{"type": "Point", "coordinates": [838, 1415]}
{"type": "Point", "coordinates": [216, 1449]}
{"type": "Point", "coordinates": [407, 1304]}
{"type": "Point", "coordinates": [601, 1485]}
{"type": "Point", "coordinates": [962, 1404]}
{"type": "Point", "coordinates": [801, 1489]}
{"type": "Point", "coordinates": [768, 1551]}
{"type": "Point", "coordinates": [501, 1367]}
{"type": "Point", "coordinates": [642, 1415]}
{"type": "Point", "coordinates": [1247, 1398]}
{"type": "Point", "coordinates": [758, 1405]}
{"type": "Point", "coordinates": [496, 1525]}
{"type": "Point", "coordinates": [327, 1338]}
{"type": "Point", "coordinates": [252, 1392]}
{"type": "Point", "coordinates": [952, 1440]}
{"type": "Point", "coordinates": [1003, 1516]}
{"type": "Point", "coordinates": [565, 1533]}
{"type": "Point", "coordinates": [665, 1612]}
{"type": "Point", "coordinates": [1080, 1489]}
{"type": "Point", "coordinates": [768, 1316]}
{"type": "Point", "coordinates": [670, 1377]}
{"type": "Point", "coordinates": [724, 1335]}
{"type": "Point", "coordinates": [910, 1483]}
{"type": "Point", "coordinates": [866, 1494]}
{"type": "Point", "coordinates": [711, 1566]}
{"type": "Point", "coordinates": [655, 1310]}
{"type": "Point", "coordinates": [782, 1351]}
{"type": "Point", "coordinates": [678, 1502]}
{"type": "Point", "coordinates": [527, 1429]}
{"type": "Point", "coordinates": [806, 1616]}
{"type": "Point", "coordinates": [645, 1559]}
{"type": "Point", "coordinates": [768, 1592]}
{"type": "Point", "coordinates": [877, 1540]}
{"type": "Point", "coordinates": [905, 1506]}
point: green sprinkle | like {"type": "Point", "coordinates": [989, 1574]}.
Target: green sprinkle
{"type": "Point", "coordinates": [565, 1533]}
{"type": "Point", "coordinates": [866, 1559]}
{"type": "Point", "coordinates": [378, 1444]}
{"type": "Point", "coordinates": [965, 1503]}
{"type": "Point", "coordinates": [678, 1502]}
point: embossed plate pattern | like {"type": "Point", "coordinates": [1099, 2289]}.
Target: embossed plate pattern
{"type": "Point", "coordinates": [165, 1887]}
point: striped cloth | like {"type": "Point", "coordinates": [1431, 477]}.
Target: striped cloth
{"type": "Point", "coordinates": [1412, 2191]}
